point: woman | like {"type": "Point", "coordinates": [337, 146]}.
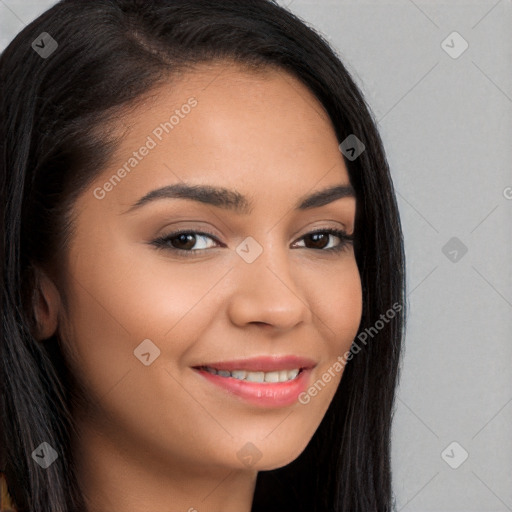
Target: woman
{"type": "Point", "coordinates": [203, 265]}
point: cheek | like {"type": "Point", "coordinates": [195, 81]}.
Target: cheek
{"type": "Point", "coordinates": [116, 302]}
{"type": "Point", "coordinates": [334, 295]}
{"type": "Point", "coordinates": [337, 313]}
{"type": "Point", "coordinates": [119, 298]}
{"type": "Point", "coordinates": [337, 305]}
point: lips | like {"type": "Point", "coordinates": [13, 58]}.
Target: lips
{"type": "Point", "coordinates": [267, 381]}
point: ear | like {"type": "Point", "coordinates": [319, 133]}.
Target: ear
{"type": "Point", "coordinates": [46, 304]}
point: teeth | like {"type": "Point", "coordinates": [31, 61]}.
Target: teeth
{"type": "Point", "coordinates": [292, 374]}
{"type": "Point", "coordinates": [272, 377]}
{"type": "Point", "coordinates": [255, 376]}
{"type": "Point", "coordinates": [260, 377]}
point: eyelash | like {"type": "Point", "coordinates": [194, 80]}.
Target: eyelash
{"type": "Point", "coordinates": [163, 242]}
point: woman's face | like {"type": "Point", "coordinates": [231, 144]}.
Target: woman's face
{"type": "Point", "coordinates": [143, 316]}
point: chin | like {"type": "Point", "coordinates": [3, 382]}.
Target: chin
{"type": "Point", "coordinates": [269, 457]}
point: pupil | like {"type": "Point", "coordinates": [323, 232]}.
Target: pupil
{"type": "Point", "coordinates": [315, 239]}
{"type": "Point", "coordinates": [182, 240]}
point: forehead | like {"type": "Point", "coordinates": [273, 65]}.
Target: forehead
{"type": "Point", "coordinates": [222, 124]}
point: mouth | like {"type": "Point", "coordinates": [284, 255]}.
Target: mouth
{"type": "Point", "coordinates": [270, 382]}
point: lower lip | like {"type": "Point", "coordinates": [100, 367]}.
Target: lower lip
{"type": "Point", "coordinates": [276, 394]}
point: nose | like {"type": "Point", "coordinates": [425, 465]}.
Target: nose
{"type": "Point", "coordinates": [266, 292]}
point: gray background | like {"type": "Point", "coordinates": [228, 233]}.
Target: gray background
{"type": "Point", "coordinates": [446, 124]}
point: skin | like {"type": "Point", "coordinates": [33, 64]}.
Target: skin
{"type": "Point", "coordinates": [160, 437]}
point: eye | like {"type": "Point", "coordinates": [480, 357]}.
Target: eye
{"type": "Point", "coordinates": [183, 243]}
{"type": "Point", "coordinates": [320, 239]}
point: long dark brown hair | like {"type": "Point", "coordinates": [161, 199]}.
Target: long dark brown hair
{"type": "Point", "coordinates": [53, 114]}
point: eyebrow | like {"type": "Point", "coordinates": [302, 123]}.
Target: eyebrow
{"type": "Point", "coordinates": [234, 201]}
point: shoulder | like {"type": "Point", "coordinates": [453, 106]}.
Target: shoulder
{"type": "Point", "coordinates": [6, 503]}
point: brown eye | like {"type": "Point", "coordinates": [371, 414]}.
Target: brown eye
{"type": "Point", "coordinates": [184, 242]}
{"type": "Point", "coordinates": [319, 240]}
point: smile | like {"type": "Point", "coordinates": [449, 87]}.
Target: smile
{"type": "Point", "coordinates": [256, 376]}
{"type": "Point", "coordinates": [264, 381]}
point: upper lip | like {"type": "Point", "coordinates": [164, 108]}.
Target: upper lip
{"type": "Point", "coordinates": [263, 364]}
